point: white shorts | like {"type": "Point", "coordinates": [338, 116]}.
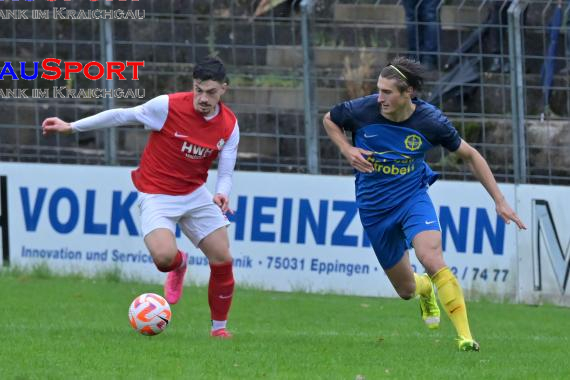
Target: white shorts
{"type": "Point", "coordinates": [196, 213]}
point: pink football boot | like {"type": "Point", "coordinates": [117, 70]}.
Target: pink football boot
{"type": "Point", "coordinates": [175, 282]}
{"type": "Point", "coordinates": [221, 334]}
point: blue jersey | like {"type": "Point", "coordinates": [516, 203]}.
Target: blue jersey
{"type": "Point", "coordinates": [399, 149]}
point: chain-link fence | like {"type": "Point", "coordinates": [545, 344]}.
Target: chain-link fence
{"type": "Point", "coordinates": [467, 49]}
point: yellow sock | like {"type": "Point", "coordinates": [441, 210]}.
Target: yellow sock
{"type": "Point", "coordinates": [423, 285]}
{"type": "Point", "coordinates": [451, 297]}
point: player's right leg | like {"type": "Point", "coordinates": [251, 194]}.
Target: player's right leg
{"type": "Point", "coordinates": [159, 214]}
{"type": "Point", "coordinates": [161, 243]}
{"type": "Point", "coordinates": [402, 277]}
{"type": "Point", "coordinates": [428, 301]}
{"type": "Point", "coordinates": [391, 249]}
{"type": "Point", "coordinates": [409, 285]}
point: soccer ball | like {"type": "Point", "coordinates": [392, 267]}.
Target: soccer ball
{"type": "Point", "coordinates": [149, 314]}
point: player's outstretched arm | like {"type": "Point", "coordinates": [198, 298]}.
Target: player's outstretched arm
{"type": "Point", "coordinates": [354, 155]}
{"type": "Point", "coordinates": [55, 125]}
{"type": "Point", "coordinates": [482, 172]}
{"type": "Point", "coordinates": [152, 114]}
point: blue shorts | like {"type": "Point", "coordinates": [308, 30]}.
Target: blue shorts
{"type": "Point", "coordinates": [391, 233]}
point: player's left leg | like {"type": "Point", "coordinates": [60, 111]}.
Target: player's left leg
{"type": "Point", "coordinates": [205, 226]}
{"type": "Point", "coordinates": [423, 231]}
{"type": "Point", "coordinates": [427, 245]}
{"type": "Point", "coordinates": [221, 285]}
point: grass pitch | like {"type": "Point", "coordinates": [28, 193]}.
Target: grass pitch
{"type": "Point", "coordinates": [72, 328]}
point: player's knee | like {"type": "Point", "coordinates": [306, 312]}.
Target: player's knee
{"type": "Point", "coordinates": [216, 254]}
{"type": "Point", "coordinates": [162, 264]}
{"type": "Point", "coordinates": [163, 259]}
{"type": "Point", "coordinates": [406, 292]}
{"type": "Point", "coordinates": [406, 296]}
{"type": "Point", "coordinates": [432, 247]}
{"type": "Point", "coordinates": [435, 245]}
{"type": "Point", "coordinates": [431, 258]}
{"type": "Point", "coordinates": [219, 257]}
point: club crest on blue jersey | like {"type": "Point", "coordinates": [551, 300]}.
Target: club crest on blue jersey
{"type": "Point", "coordinates": [398, 149]}
{"type": "Point", "coordinates": [413, 142]}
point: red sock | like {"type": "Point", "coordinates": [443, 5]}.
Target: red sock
{"type": "Point", "coordinates": [220, 290]}
{"type": "Point", "coordinates": [174, 265]}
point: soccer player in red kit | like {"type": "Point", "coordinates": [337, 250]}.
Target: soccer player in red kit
{"type": "Point", "coordinates": [189, 130]}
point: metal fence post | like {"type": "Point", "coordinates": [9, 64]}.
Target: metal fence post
{"type": "Point", "coordinates": [310, 109]}
{"type": "Point", "coordinates": [106, 41]}
{"type": "Point", "coordinates": [516, 59]}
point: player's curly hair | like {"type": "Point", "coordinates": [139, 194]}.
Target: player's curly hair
{"type": "Point", "coordinates": [408, 73]}
{"type": "Point", "coordinates": [210, 68]}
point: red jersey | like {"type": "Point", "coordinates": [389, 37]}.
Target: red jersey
{"type": "Point", "coordinates": [177, 157]}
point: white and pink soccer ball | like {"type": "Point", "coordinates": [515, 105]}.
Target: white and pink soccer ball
{"type": "Point", "coordinates": [149, 314]}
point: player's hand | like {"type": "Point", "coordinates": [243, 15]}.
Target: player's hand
{"type": "Point", "coordinates": [223, 202]}
{"type": "Point", "coordinates": [55, 124]}
{"type": "Point", "coordinates": [355, 158]}
{"type": "Point", "coordinates": [507, 213]}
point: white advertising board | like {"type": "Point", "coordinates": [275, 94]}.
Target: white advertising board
{"type": "Point", "coordinates": [544, 252]}
{"type": "Point", "coordinates": [289, 232]}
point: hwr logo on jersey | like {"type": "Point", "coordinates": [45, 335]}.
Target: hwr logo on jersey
{"type": "Point", "coordinates": [194, 151]}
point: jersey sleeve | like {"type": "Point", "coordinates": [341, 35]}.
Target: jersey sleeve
{"type": "Point", "coordinates": [341, 115]}
{"type": "Point", "coordinates": [227, 162]}
{"type": "Point", "coordinates": [447, 135]}
{"type": "Point", "coordinates": [151, 114]}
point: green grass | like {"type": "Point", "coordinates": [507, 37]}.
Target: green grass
{"type": "Point", "coordinates": [70, 328]}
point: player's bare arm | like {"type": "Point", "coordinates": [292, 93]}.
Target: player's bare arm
{"type": "Point", "coordinates": [482, 172]}
{"type": "Point", "coordinates": [223, 201]}
{"type": "Point", "coordinates": [354, 156]}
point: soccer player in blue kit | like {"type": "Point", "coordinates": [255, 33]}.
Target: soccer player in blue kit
{"type": "Point", "coordinates": [391, 133]}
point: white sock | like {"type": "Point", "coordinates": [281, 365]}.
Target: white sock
{"type": "Point", "coordinates": [216, 325]}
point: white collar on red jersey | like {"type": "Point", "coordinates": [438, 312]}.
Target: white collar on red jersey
{"type": "Point", "coordinates": [216, 112]}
